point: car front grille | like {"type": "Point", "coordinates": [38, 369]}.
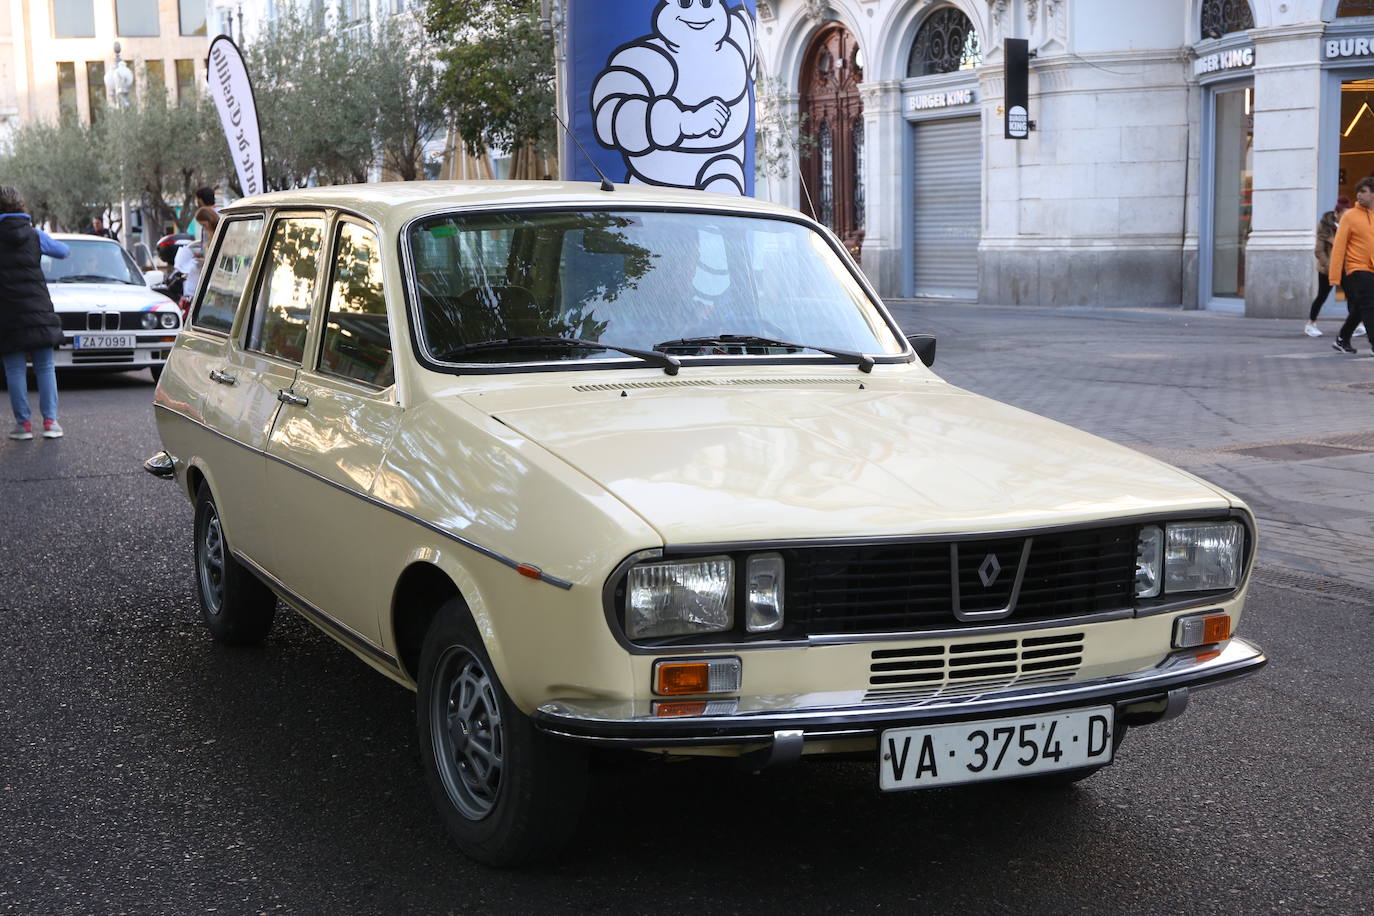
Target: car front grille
{"type": "Point", "coordinates": [976, 666]}
{"type": "Point", "coordinates": [102, 321]}
{"type": "Point", "coordinates": [959, 582]}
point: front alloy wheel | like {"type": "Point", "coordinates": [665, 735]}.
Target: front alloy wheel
{"type": "Point", "coordinates": [468, 733]}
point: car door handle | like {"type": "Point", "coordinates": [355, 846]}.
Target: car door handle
{"type": "Point", "coordinates": [224, 378]}
{"type": "Point", "coordinates": [290, 397]}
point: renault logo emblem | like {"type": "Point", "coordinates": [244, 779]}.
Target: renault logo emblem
{"type": "Point", "coordinates": [989, 569]}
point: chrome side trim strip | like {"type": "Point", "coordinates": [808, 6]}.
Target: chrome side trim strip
{"type": "Point", "coordinates": [319, 617]}
{"type": "Point", "coordinates": [484, 551]}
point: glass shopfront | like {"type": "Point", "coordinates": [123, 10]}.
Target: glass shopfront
{"type": "Point", "coordinates": [1232, 185]}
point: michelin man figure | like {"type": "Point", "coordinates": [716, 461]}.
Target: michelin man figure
{"type": "Point", "coordinates": [677, 103]}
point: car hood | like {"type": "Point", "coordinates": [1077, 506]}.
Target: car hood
{"type": "Point", "coordinates": [120, 297]}
{"type": "Point", "coordinates": [719, 460]}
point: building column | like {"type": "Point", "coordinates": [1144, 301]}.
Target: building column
{"type": "Point", "coordinates": [1280, 272]}
{"type": "Point", "coordinates": [882, 254]}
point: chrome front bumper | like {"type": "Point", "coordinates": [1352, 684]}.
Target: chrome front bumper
{"type": "Point", "coordinates": [1141, 696]}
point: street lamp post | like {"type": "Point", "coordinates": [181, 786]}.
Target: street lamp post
{"type": "Point", "coordinates": [118, 82]}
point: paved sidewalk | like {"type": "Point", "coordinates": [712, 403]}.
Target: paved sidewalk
{"type": "Point", "coordinates": [1278, 418]}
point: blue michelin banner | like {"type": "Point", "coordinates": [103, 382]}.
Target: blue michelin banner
{"type": "Point", "coordinates": [662, 91]}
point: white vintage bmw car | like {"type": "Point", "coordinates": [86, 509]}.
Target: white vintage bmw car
{"type": "Point", "coordinates": [110, 318]}
{"type": "Point", "coordinates": [658, 471]}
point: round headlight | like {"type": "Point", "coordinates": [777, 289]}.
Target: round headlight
{"type": "Point", "coordinates": [169, 319]}
{"type": "Point", "coordinates": [149, 321]}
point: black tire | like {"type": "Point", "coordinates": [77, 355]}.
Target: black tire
{"type": "Point", "coordinates": [508, 793]}
{"type": "Point", "coordinates": [236, 607]}
{"type": "Point", "coordinates": [155, 372]}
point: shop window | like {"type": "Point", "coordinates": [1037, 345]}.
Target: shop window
{"type": "Point", "coordinates": [192, 17]}
{"type": "Point", "coordinates": [1222, 17]}
{"type": "Point", "coordinates": [186, 81]}
{"type": "Point", "coordinates": [95, 87]}
{"type": "Point", "coordinates": [136, 18]}
{"type": "Point", "coordinates": [945, 43]}
{"type": "Point", "coordinates": [1355, 8]}
{"type": "Point", "coordinates": [73, 18]}
{"type": "Point", "coordinates": [1231, 193]}
{"type": "Point", "coordinates": [66, 90]}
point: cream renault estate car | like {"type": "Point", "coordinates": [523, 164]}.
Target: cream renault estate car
{"type": "Point", "coordinates": [657, 470]}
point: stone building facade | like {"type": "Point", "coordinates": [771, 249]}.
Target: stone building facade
{"type": "Point", "coordinates": [1181, 154]}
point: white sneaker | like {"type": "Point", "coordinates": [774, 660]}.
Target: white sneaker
{"type": "Point", "coordinates": [1311, 330]}
{"type": "Point", "coordinates": [1359, 332]}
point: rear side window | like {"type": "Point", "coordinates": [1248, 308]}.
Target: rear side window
{"type": "Point", "coordinates": [281, 309]}
{"type": "Point", "coordinates": [233, 265]}
{"type": "Point", "coordinates": [357, 337]}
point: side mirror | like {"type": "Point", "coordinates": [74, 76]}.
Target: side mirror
{"type": "Point", "coordinates": [924, 345]}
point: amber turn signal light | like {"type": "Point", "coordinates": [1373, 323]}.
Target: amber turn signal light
{"type": "Point", "coordinates": [1201, 630]}
{"type": "Point", "coordinates": [713, 675]}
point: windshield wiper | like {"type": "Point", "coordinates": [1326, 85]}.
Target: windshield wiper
{"type": "Point", "coordinates": [864, 362]}
{"type": "Point", "coordinates": [89, 278]}
{"type": "Point", "coordinates": [669, 364]}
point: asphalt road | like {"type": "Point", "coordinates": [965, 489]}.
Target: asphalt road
{"type": "Point", "coordinates": [145, 769]}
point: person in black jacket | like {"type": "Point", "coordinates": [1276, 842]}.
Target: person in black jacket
{"type": "Point", "coordinates": [29, 327]}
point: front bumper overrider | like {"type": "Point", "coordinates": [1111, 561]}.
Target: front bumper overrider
{"type": "Point", "coordinates": [1141, 697]}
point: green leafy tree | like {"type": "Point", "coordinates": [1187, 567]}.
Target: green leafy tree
{"type": "Point", "coordinates": [404, 82]}
{"type": "Point", "coordinates": [57, 167]}
{"type": "Point", "coordinates": [498, 76]}
{"type": "Point", "coordinates": [311, 84]}
{"type": "Point", "coordinates": [158, 153]}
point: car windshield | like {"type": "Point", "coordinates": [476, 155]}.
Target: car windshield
{"type": "Point", "coordinates": [504, 287]}
{"type": "Point", "coordinates": [95, 261]}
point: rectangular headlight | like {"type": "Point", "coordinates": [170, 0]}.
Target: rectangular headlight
{"type": "Point", "coordinates": [1202, 556]}
{"type": "Point", "coordinates": [763, 609]}
{"type": "Point", "coordinates": [678, 598]}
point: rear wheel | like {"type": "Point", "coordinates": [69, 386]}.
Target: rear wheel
{"type": "Point", "coordinates": [508, 793]}
{"type": "Point", "coordinates": [236, 607]}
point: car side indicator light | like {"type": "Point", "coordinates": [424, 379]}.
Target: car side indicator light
{"type": "Point", "coordinates": [680, 678]}
{"type": "Point", "coordinates": [1201, 630]}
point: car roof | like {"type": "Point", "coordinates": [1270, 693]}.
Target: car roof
{"type": "Point", "coordinates": [396, 202]}
{"type": "Point", "coordinates": [79, 237]}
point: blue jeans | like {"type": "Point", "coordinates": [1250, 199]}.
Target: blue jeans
{"type": "Point", "coordinates": [17, 378]}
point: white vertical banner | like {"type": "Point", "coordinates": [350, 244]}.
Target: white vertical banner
{"type": "Point", "coordinates": [232, 91]}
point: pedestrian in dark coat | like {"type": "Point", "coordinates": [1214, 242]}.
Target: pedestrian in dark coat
{"type": "Point", "coordinates": [29, 327]}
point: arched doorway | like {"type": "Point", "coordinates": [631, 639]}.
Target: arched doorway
{"type": "Point", "coordinates": [832, 166]}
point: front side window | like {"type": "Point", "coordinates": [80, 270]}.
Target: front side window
{"type": "Point", "coordinates": [489, 286]}
{"type": "Point", "coordinates": [136, 18]}
{"type": "Point", "coordinates": [73, 18]}
{"type": "Point", "coordinates": [92, 262]}
{"type": "Point", "coordinates": [281, 309]}
{"type": "Point", "coordinates": [357, 337]}
{"type": "Point", "coordinates": [238, 245]}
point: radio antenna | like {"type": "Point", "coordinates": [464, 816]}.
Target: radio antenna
{"type": "Point", "coordinates": [605, 182]}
